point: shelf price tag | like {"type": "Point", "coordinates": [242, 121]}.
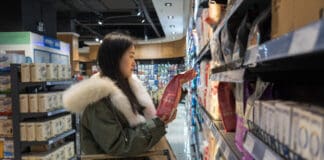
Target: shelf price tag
{"type": "Point", "coordinates": [249, 143]}
{"type": "Point", "coordinates": [304, 40]}
{"type": "Point", "coordinates": [268, 155]}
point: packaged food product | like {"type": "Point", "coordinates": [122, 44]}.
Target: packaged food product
{"type": "Point", "coordinates": [5, 106]}
{"type": "Point", "coordinates": [25, 72]}
{"type": "Point", "coordinates": [23, 102]}
{"type": "Point", "coordinates": [227, 106]}
{"type": "Point", "coordinates": [33, 102]}
{"type": "Point", "coordinates": [172, 94]}
{"type": "Point", "coordinates": [6, 128]}
{"type": "Point", "coordinates": [38, 72]}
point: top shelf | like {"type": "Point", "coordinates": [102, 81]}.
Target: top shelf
{"type": "Point", "coordinates": [305, 41]}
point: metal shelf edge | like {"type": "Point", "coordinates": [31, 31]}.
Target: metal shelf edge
{"type": "Point", "coordinates": [49, 141]}
{"type": "Point", "coordinates": [258, 149]}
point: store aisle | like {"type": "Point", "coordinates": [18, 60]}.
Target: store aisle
{"type": "Point", "coordinates": [178, 136]}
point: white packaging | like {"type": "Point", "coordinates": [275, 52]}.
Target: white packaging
{"type": "Point", "coordinates": [284, 121]}
{"type": "Point", "coordinates": [67, 72]}
{"type": "Point", "coordinates": [257, 112]}
{"type": "Point", "coordinates": [33, 102]}
{"type": "Point", "coordinates": [23, 132]}
{"type": "Point", "coordinates": [61, 71]}
{"type": "Point", "coordinates": [316, 137]}
{"type": "Point", "coordinates": [67, 122]}
{"type": "Point", "coordinates": [23, 102]}
{"type": "Point", "coordinates": [70, 149]}
{"type": "Point", "coordinates": [51, 71]}
{"type": "Point", "coordinates": [25, 72]}
{"type": "Point", "coordinates": [54, 103]}
{"type": "Point", "coordinates": [43, 131]}
{"type": "Point", "coordinates": [38, 72]}
{"type": "Point", "coordinates": [55, 127]}
{"type": "Point", "coordinates": [30, 127]}
{"type": "Point", "coordinates": [43, 102]}
{"type": "Point", "coordinates": [50, 101]}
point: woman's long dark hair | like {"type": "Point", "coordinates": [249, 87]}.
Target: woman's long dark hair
{"type": "Point", "coordinates": [110, 52]}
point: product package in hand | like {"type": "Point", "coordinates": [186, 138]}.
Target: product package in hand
{"type": "Point", "coordinates": [172, 93]}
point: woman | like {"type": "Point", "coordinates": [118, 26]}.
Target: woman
{"type": "Point", "coordinates": [118, 115]}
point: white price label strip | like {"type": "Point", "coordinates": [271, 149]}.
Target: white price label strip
{"type": "Point", "coordinates": [268, 155]}
{"type": "Point", "coordinates": [305, 39]}
{"type": "Point", "coordinates": [249, 143]}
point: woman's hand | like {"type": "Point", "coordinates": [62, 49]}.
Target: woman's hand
{"type": "Point", "coordinates": [166, 121]}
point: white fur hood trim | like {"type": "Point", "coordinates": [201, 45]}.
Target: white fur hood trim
{"type": "Point", "coordinates": [80, 95]}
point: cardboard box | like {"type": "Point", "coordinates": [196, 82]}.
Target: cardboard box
{"type": "Point", "coordinates": [289, 15]}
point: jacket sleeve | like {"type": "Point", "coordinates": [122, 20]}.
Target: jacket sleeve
{"type": "Point", "coordinates": [115, 140]}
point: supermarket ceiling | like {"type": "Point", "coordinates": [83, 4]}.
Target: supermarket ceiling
{"type": "Point", "coordinates": [153, 20]}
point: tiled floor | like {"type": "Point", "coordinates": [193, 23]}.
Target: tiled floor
{"type": "Point", "coordinates": [178, 135]}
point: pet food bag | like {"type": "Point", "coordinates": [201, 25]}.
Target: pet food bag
{"type": "Point", "coordinates": [172, 93]}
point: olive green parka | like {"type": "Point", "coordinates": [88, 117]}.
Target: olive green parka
{"type": "Point", "coordinates": [108, 124]}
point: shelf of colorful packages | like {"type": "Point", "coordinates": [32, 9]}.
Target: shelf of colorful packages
{"type": "Point", "coordinates": [225, 139]}
{"type": "Point", "coordinates": [304, 41]}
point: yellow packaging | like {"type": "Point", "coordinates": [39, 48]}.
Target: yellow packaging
{"type": "Point", "coordinates": [23, 102]}
{"type": "Point", "coordinates": [43, 102]}
{"type": "Point", "coordinates": [30, 127]}
{"type": "Point", "coordinates": [1, 148]}
{"type": "Point", "coordinates": [38, 72]}
{"type": "Point", "coordinates": [33, 102]}
{"type": "Point", "coordinates": [25, 72]}
{"type": "Point", "coordinates": [23, 132]}
{"type": "Point", "coordinates": [51, 71]}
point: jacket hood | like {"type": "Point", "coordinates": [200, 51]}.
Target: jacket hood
{"type": "Point", "coordinates": [78, 96]}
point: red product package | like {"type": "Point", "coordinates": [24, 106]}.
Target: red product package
{"type": "Point", "coordinates": [172, 93]}
{"type": "Point", "coordinates": [227, 106]}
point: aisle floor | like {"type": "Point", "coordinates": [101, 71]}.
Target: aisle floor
{"type": "Point", "coordinates": [178, 134]}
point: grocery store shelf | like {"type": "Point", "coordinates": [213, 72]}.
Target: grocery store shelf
{"type": "Point", "coordinates": [45, 83]}
{"type": "Point", "coordinates": [49, 141]}
{"type": "Point", "coordinates": [225, 139]}
{"type": "Point", "coordinates": [204, 54]}
{"type": "Point", "coordinates": [236, 76]}
{"type": "Point", "coordinates": [42, 114]}
{"type": "Point", "coordinates": [228, 15]}
{"type": "Point", "coordinates": [258, 149]}
{"type": "Point", "coordinates": [305, 41]}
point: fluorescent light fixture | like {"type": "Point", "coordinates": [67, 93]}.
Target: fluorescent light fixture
{"type": "Point", "coordinates": [170, 17]}
{"type": "Point", "coordinates": [100, 22]}
{"type": "Point", "coordinates": [168, 4]}
{"type": "Point", "coordinates": [172, 26]}
{"type": "Point", "coordinates": [139, 13]}
{"type": "Point", "coordinates": [100, 41]}
{"type": "Point", "coordinates": [97, 39]}
{"type": "Point", "coordinates": [173, 32]}
{"type": "Point", "coordinates": [143, 20]}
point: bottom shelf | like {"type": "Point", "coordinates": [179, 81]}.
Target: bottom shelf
{"type": "Point", "coordinates": [225, 139]}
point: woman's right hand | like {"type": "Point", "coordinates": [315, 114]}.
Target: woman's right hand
{"type": "Point", "coordinates": [166, 121]}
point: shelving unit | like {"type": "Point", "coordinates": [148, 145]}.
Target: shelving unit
{"type": "Point", "coordinates": [290, 63]}
{"type": "Point", "coordinates": [17, 117]}
{"type": "Point", "coordinates": [49, 141]}
{"type": "Point", "coordinates": [225, 140]}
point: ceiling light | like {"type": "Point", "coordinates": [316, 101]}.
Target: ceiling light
{"type": "Point", "coordinates": [97, 39]}
{"type": "Point", "coordinates": [173, 32]}
{"type": "Point", "coordinates": [143, 20]}
{"type": "Point", "coordinates": [172, 26]}
{"type": "Point", "coordinates": [170, 17]}
{"type": "Point", "coordinates": [99, 22]}
{"type": "Point", "coordinates": [100, 41]}
{"type": "Point", "coordinates": [168, 4]}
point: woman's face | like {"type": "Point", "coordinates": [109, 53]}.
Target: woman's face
{"type": "Point", "coordinates": [127, 63]}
